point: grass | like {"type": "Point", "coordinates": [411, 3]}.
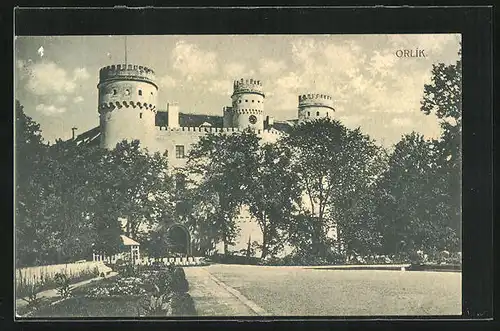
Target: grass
{"type": "Point", "coordinates": [294, 291]}
{"type": "Point", "coordinates": [119, 306]}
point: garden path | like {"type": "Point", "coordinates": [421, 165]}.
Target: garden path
{"type": "Point", "coordinates": [52, 293]}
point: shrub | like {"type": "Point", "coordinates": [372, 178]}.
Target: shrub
{"type": "Point", "coordinates": [179, 281]}
{"type": "Point", "coordinates": [63, 285]}
{"type": "Point", "coordinates": [32, 298]}
{"type": "Point", "coordinates": [157, 305]}
{"type": "Point", "coordinates": [182, 305]}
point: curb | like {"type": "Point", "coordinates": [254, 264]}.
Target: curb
{"type": "Point", "coordinates": [247, 302]}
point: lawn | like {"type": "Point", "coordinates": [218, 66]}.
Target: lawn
{"type": "Point", "coordinates": [289, 291]}
{"type": "Point", "coordinates": [79, 306]}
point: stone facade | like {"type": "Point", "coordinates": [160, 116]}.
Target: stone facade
{"type": "Point", "coordinates": [128, 106]}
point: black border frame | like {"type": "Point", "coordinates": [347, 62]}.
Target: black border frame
{"type": "Point", "coordinates": [474, 23]}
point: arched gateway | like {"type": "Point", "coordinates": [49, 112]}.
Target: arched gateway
{"type": "Point", "coordinates": [179, 239]}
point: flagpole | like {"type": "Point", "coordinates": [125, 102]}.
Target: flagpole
{"type": "Point", "coordinates": [125, 50]}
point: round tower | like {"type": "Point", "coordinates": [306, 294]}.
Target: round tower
{"type": "Point", "coordinates": [127, 104]}
{"type": "Point", "coordinates": [248, 104]}
{"type": "Point", "coordinates": [314, 106]}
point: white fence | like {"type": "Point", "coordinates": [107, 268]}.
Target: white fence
{"type": "Point", "coordinates": [37, 275]}
{"type": "Point", "coordinates": [189, 260]}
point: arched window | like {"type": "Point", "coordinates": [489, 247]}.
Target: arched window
{"type": "Point", "coordinates": [127, 92]}
{"type": "Point", "coordinates": [246, 100]}
{"type": "Point", "coordinates": [308, 113]}
{"type": "Point", "coordinates": [140, 92]}
{"type": "Point", "coordinates": [140, 115]}
{"type": "Point", "coordinates": [114, 92]}
{"type": "Point", "coordinates": [317, 113]}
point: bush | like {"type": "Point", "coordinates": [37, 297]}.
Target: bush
{"type": "Point", "coordinates": [183, 305]}
{"type": "Point", "coordinates": [63, 285]}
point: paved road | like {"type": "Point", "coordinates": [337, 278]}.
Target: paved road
{"type": "Point", "coordinates": [289, 291]}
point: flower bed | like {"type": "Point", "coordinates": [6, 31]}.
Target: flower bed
{"type": "Point", "coordinates": [140, 292]}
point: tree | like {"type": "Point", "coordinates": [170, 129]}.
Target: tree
{"type": "Point", "coordinates": [411, 209]}
{"type": "Point", "coordinates": [273, 195]}
{"type": "Point", "coordinates": [140, 187]}
{"type": "Point", "coordinates": [219, 168]}
{"type": "Point", "coordinates": [334, 166]}
{"type": "Point", "coordinates": [29, 149]}
{"type": "Point", "coordinates": [443, 98]}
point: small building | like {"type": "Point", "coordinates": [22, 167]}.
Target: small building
{"type": "Point", "coordinates": [130, 251]}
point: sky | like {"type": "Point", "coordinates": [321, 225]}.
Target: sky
{"type": "Point", "coordinates": [56, 76]}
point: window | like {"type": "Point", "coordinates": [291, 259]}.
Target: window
{"type": "Point", "coordinates": [151, 93]}
{"type": "Point", "coordinates": [140, 92]}
{"type": "Point", "coordinates": [308, 113]}
{"type": "Point", "coordinates": [114, 92]}
{"type": "Point", "coordinates": [253, 100]}
{"type": "Point", "coordinates": [239, 101]}
{"type": "Point", "coordinates": [179, 151]}
{"type": "Point", "coordinates": [317, 113]}
{"type": "Point", "coordinates": [246, 100]}
{"type": "Point", "coordinates": [127, 92]}
{"type": "Point", "coordinates": [166, 153]}
{"type": "Point", "coordinates": [140, 115]}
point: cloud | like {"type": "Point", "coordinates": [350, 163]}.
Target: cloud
{"type": "Point", "coordinates": [78, 99]}
{"type": "Point", "coordinates": [61, 98]}
{"type": "Point", "coordinates": [50, 110]}
{"type": "Point", "coordinates": [351, 120]}
{"type": "Point", "coordinates": [401, 122]}
{"type": "Point", "coordinates": [234, 69]}
{"type": "Point", "coordinates": [270, 66]}
{"type": "Point", "coordinates": [192, 62]}
{"type": "Point", "coordinates": [167, 81]}
{"type": "Point", "coordinates": [221, 87]}
{"type": "Point", "coordinates": [47, 78]}
{"type": "Point", "coordinates": [80, 74]}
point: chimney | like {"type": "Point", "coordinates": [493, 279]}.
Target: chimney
{"type": "Point", "coordinates": [173, 114]}
{"type": "Point", "coordinates": [270, 121]}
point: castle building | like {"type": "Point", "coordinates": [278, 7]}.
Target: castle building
{"type": "Point", "coordinates": [128, 109]}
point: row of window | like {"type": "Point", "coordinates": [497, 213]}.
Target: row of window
{"type": "Point", "coordinates": [127, 92]}
{"type": "Point", "coordinates": [317, 114]}
{"type": "Point", "coordinates": [258, 101]}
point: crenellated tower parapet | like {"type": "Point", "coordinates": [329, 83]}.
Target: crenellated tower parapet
{"type": "Point", "coordinates": [127, 71]}
{"type": "Point", "coordinates": [314, 106]}
{"type": "Point", "coordinates": [247, 108]}
{"type": "Point", "coordinates": [248, 86]}
{"type": "Point", "coordinates": [322, 100]}
{"type": "Point", "coordinates": [127, 103]}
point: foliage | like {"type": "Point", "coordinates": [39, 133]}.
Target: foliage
{"type": "Point", "coordinates": [63, 285]}
{"type": "Point", "coordinates": [335, 167]}
{"type": "Point", "coordinates": [411, 209]}
{"type": "Point", "coordinates": [273, 195]}
{"type": "Point", "coordinates": [34, 301]}
{"type": "Point", "coordinates": [69, 197]}
{"type": "Point", "coordinates": [219, 164]}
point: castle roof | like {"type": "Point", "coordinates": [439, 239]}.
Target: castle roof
{"type": "Point", "coordinates": [189, 120]}
{"type": "Point", "coordinates": [128, 241]}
